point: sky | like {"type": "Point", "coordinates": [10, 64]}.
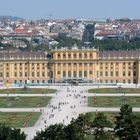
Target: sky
{"type": "Point", "coordinates": [64, 9]}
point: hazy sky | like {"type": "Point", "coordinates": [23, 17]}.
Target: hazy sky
{"type": "Point", "coordinates": [97, 9]}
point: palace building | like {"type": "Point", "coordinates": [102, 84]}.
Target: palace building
{"type": "Point", "coordinates": [65, 65]}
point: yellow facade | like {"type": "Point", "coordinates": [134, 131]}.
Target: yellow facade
{"type": "Point", "coordinates": [84, 64]}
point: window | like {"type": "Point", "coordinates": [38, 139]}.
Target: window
{"type": "Point", "coordinates": [69, 64]}
{"type": "Point", "coordinates": [80, 73]}
{"type": "Point", "coordinates": [106, 73]}
{"type": "Point", "coordinates": [64, 64]}
{"type": "Point", "coordinates": [85, 64]}
{"type": "Point", "coordinates": [15, 81]}
{"type": "Point", "coordinates": [59, 55]}
{"type": "Point", "coordinates": [69, 56]}
{"type": "Point", "coordinates": [90, 72]}
{"type": "Point", "coordinates": [101, 81]}
{"type": "Point", "coordinates": [85, 73]}
{"type": "Point", "coordinates": [111, 81]}
{"type": "Point", "coordinates": [74, 74]}
{"type": "Point", "coordinates": [20, 74]}
{"type": "Point", "coordinates": [25, 74]}
{"type": "Point", "coordinates": [129, 81]}
{"type": "Point", "coordinates": [106, 81]}
{"type": "Point", "coordinates": [97, 73]}
{"type": "Point", "coordinates": [15, 74]}
{"type": "Point", "coordinates": [43, 81]}
{"type": "Point", "coordinates": [117, 73]}
{"type": "Point", "coordinates": [32, 74]}
{"type": "Point", "coordinates": [134, 73]}
{"type": "Point", "coordinates": [129, 73]}
{"type": "Point", "coordinates": [74, 55]}
{"type": "Point", "coordinates": [80, 55]}
{"type": "Point", "coordinates": [32, 81]}
{"type": "Point", "coordinates": [37, 74]}
{"type": "Point", "coordinates": [85, 55]}
{"type": "Point", "coordinates": [75, 64]}
{"type": "Point", "coordinates": [64, 74]}
{"type": "Point", "coordinates": [58, 72]}
{"type": "Point", "coordinates": [116, 81]}
{"type": "Point", "coordinates": [64, 55]}
{"type": "Point", "coordinates": [43, 74]}
{"type": "Point", "coordinates": [0, 74]}
{"type": "Point", "coordinates": [101, 73]}
{"type": "Point", "coordinates": [111, 74]}
{"type": "Point", "coordinates": [38, 81]}
{"type": "Point", "coordinates": [90, 64]}
{"type": "Point", "coordinates": [123, 73]}
{"type": "Point", "coordinates": [69, 73]}
{"type": "Point", "coordinates": [7, 74]}
{"type": "Point", "coordinates": [90, 55]}
{"type": "Point", "coordinates": [80, 64]}
{"type": "Point", "coordinates": [124, 81]}
{"type": "Point", "coordinates": [20, 81]}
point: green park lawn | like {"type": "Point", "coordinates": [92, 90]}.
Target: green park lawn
{"type": "Point", "coordinates": [113, 101]}
{"type": "Point", "coordinates": [23, 102]}
{"type": "Point", "coordinates": [27, 91]}
{"type": "Point", "coordinates": [114, 90]}
{"type": "Point", "coordinates": [19, 119]}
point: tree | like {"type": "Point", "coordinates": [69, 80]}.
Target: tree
{"type": "Point", "coordinates": [99, 125]}
{"type": "Point", "coordinates": [53, 132]}
{"type": "Point", "coordinates": [73, 132]}
{"type": "Point", "coordinates": [7, 133]}
{"type": "Point", "coordinates": [126, 128]}
{"type": "Point", "coordinates": [83, 122]}
{"type": "Point", "coordinates": [88, 33]}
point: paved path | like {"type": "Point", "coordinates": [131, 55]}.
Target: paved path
{"type": "Point", "coordinates": [27, 95]}
{"type": "Point", "coordinates": [63, 107]}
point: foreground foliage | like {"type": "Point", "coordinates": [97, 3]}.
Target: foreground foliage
{"type": "Point", "coordinates": [7, 133]}
{"type": "Point", "coordinates": [127, 127]}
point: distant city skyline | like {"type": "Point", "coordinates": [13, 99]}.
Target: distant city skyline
{"type": "Point", "coordinates": [64, 9]}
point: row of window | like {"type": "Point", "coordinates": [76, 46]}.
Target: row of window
{"type": "Point", "coordinates": [75, 64]}
{"type": "Point", "coordinates": [79, 56]}
{"type": "Point", "coordinates": [117, 63]}
{"type": "Point", "coordinates": [117, 81]}
{"type": "Point", "coordinates": [21, 64]}
{"type": "Point", "coordinates": [75, 73]}
{"type": "Point", "coordinates": [106, 73]}
{"type": "Point", "coordinates": [32, 81]}
{"type": "Point", "coordinates": [25, 74]}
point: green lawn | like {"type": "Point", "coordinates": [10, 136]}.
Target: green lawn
{"type": "Point", "coordinates": [113, 101]}
{"type": "Point", "coordinates": [27, 91]}
{"type": "Point", "coordinates": [21, 102]}
{"type": "Point", "coordinates": [18, 119]}
{"type": "Point", "coordinates": [114, 90]}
